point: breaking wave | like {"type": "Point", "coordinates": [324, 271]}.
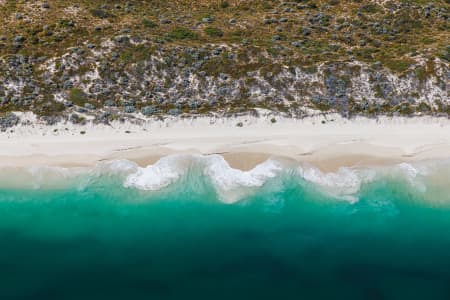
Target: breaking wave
{"type": "Point", "coordinates": [231, 184]}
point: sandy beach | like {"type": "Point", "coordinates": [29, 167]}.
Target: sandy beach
{"type": "Point", "coordinates": [326, 141]}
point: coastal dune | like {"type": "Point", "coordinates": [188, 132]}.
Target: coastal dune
{"type": "Point", "coordinates": [326, 141]}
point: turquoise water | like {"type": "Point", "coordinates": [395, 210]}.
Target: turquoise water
{"type": "Point", "coordinates": [287, 238]}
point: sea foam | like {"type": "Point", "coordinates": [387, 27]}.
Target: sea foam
{"type": "Point", "coordinates": [344, 183]}
{"type": "Point", "coordinates": [164, 172]}
{"type": "Point", "coordinates": [233, 184]}
{"type": "Point", "coordinates": [230, 184]}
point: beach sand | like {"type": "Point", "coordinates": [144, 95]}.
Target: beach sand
{"type": "Point", "coordinates": [325, 141]}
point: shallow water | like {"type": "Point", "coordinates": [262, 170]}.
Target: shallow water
{"type": "Point", "coordinates": [182, 229]}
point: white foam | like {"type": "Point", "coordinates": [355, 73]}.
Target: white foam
{"type": "Point", "coordinates": [229, 182]}
{"type": "Point", "coordinates": [344, 184]}
{"type": "Point", "coordinates": [234, 184]}
{"type": "Point", "coordinates": [228, 178]}
{"type": "Point", "coordinates": [164, 172]}
{"type": "Point", "coordinates": [410, 171]}
{"type": "Point", "coordinates": [116, 167]}
{"type": "Point", "coordinates": [413, 175]}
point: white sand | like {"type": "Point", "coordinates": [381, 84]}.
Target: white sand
{"type": "Point", "coordinates": [336, 142]}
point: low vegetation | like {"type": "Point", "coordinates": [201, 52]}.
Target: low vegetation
{"type": "Point", "coordinates": [58, 56]}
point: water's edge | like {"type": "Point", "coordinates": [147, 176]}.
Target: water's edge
{"type": "Point", "coordinates": [232, 185]}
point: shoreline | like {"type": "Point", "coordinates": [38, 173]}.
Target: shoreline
{"type": "Point", "coordinates": [326, 141]}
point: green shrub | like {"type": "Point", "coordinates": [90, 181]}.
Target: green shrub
{"type": "Point", "coordinates": [77, 96]}
{"type": "Point", "coordinates": [370, 8]}
{"type": "Point", "coordinates": [423, 107]}
{"type": "Point", "coordinates": [445, 54]}
{"type": "Point", "coordinates": [100, 13]}
{"type": "Point", "coordinates": [267, 5]}
{"type": "Point", "coordinates": [213, 32]}
{"type": "Point", "coordinates": [398, 65]}
{"type": "Point", "coordinates": [182, 33]}
{"type": "Point", "coordinates": [66, 23]}
{"type": "Point", "coordinates": [149, 23]}
{"type": "Point", "coordinates": [50, 108]}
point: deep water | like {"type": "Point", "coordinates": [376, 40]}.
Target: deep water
{"type": "Point", "coordinates": [285, 240]}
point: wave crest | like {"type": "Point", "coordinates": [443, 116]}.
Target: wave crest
{"type": "Point", "coordinates": [228, 181]}
{"type": "Point", "coordinates": [345, 183]}
{"type": "Point", "coordinates": [164, 172]}
{"type": "Point", "coordinates": [230, 184]}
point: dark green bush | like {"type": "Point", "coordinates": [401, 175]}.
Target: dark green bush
{"type": "Point", "coordinates": [100, 13]}
{"type": "Point", "coordinates": [149, 23]}
{"type": "Point", "coordinates": [213, 31]}
{"type": "Point", "coordinates": [77, 96]}
{"type": "Point", "coordinates": [182, 33]}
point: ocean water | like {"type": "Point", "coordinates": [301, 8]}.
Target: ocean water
{"type": "Point", "coordinates": [191, 227]}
